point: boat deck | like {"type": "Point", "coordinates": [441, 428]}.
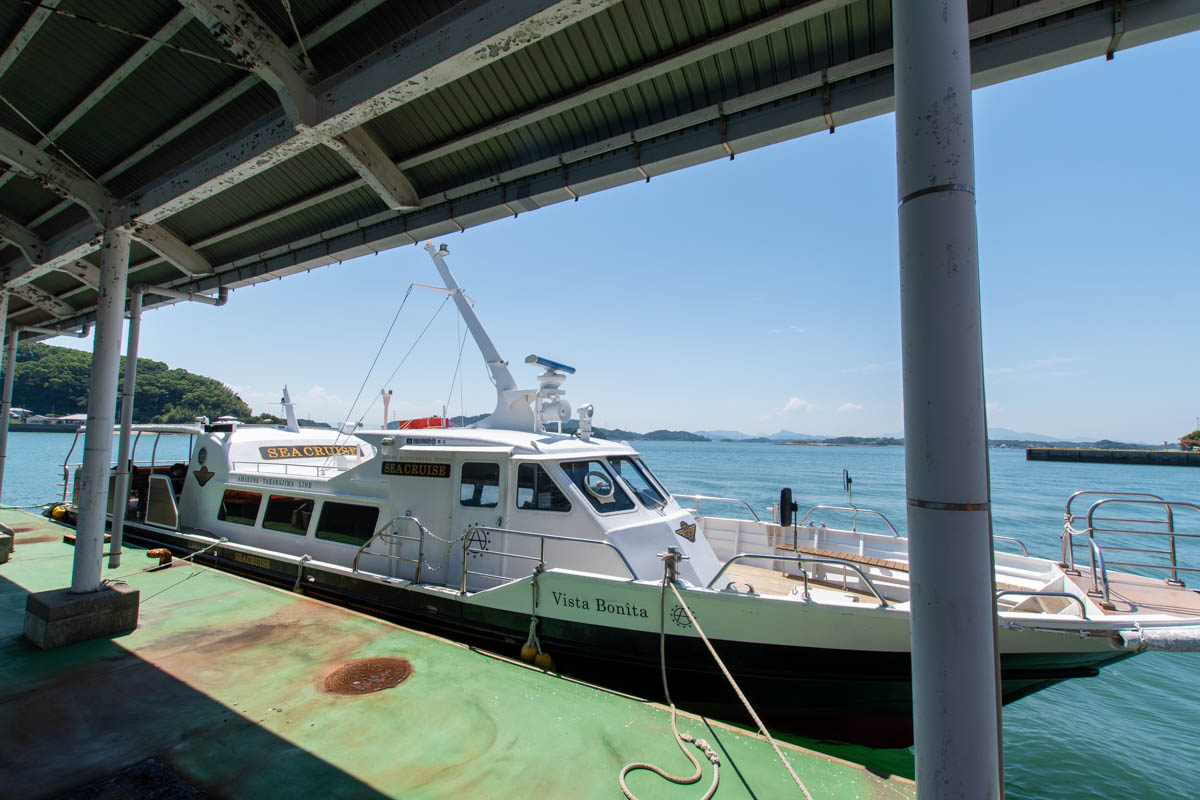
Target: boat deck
{"type": "Point", "coordinates": [1139, 594]}
{"type": "Point", "coordinates": [223, 684]}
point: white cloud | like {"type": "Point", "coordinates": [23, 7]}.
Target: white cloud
{"type": "Point", "coordinates": [796, 404]}
{"type": "Point", "coordinates": [789, 329]}
{"type": "Point", "coordinates": [994, 407]}
{"type": "Point", "coordinates": [845, 407]}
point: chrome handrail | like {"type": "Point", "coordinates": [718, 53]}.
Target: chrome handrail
{"type": "Point", "coordinates": [1068, 546]}
{"type": "Point", "coordinates": [1031, 593]}
{"type": "Point", "coordinates": [1098, 558]}
{"type": "Point", "coordinates": [316, 470]}
{"type": "Point", "coordinates": [384, 531]}
{"type": "Point", "coordinates": [801, 559]}
{"type": "Point", "coordinates": [856, 511]}
{"type": "Point", "coordinates": [1017, 542]}
{"type": "Point", "coordinates": [468, 549]}
{"type": "Point", "coordinates": [1171, 534]}
{"type": "Point", "coordinates": [699, 497]}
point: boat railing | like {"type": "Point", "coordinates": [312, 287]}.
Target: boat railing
{"type": "Point", "coordinates": [389, 533]}
{"type": "Point", "coordinates": [1041, 593]}
{"type": "Point", "coordinates": [698, 498]}
{"type": "Point", "coordinates": [802, 559]}
{"type": "Point", "coordinates": [855, 511]}
{"type": "Point", "coordinates": [1013, 540]}
{"type": "Point", "coordinates": [1122, 528]}
{"type": "Point", "coordinates": [306, 470]}
{"type": "Point", "coordinates": [471, 544]}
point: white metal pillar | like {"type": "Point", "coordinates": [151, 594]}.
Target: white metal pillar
{"type": "Point", "coordinates": [102, 401]}
{"type": "Point", "coordinates": [10, 364]}
{"type": "Point", "coordinates": [955, 690]}
{"type": "Point", "coordinates": [128, 389]}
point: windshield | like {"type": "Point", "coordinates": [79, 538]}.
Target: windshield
{"type": "Point", "coordinates": [635, 473]}
{"type": "Point", "coordinates": [597, 484]}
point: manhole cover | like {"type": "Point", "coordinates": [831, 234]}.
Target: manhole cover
{"type": "Point", "coordinates": [368, 675]}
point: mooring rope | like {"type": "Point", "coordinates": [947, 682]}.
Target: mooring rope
{"type": "Point", "coordinates": [680, 738]}
{"type": "Point", "coordinates": [153, 567]}
{"type": "Point", "coordinates": [761, 727]}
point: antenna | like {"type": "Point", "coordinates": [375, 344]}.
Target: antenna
{"type": "Point", "coordinates": [386, 394]}
{"type": "Point", "coordinates": [512, 404]}
{"type": "Point", "coordinates": [289, 411]}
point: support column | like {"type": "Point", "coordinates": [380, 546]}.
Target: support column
{"type": "Point", "coordinates": [955, 677]}
{"type": "Point", "coordinates": [102, 401]}
{"type": "Point", "coordinates": [10, 364]}
{"type": "Point", "coordinates": [128, 390]}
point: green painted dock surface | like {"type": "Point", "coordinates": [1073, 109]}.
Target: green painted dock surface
{"type": "Point", "coordinates": [223, 681]}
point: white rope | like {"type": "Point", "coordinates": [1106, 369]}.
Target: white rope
{"type": "Point", "coordinates": [762, 728]}
{"type": "Point", "coordinates": [680, 738]}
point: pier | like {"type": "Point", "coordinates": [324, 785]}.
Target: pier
{"type": "Point", "coordinates": [1087, 455]}
{"type": "Point", "coordinates": [292, 141]}
{"type": "Point", "coordinates": [225, 688]}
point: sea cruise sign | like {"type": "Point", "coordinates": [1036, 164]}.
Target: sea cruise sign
{"type": "Point", "coordinates": [307, 451]}
{"type": "Point", "coordinates": [416, 469]}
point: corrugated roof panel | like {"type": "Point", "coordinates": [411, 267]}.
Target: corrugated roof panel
{"type": "Point", "coordinates": [43, 85]}
{"type": "Point", "coordinates": [248, 108]}
{"type": "Point", "coordinates": [300, 176]}
{"type": "Point", "coordinates": [21, 199]}
{"type": "Point", "coordinates": [376, 29]}
{"type": "Point", "coordinates": [345, 209]}
{"type": "Point", "coordinates": [150, 99]}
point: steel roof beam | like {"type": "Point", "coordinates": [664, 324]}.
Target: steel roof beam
{"type": "Point", "coordinates": [173, 249]}
{"type": "Point", "coordinates": [343, 19]}
{"type": "Point", "coordinates": [251, 41]}
{"type": "Point", "coordinates": [248, 38]}
{"type": "Point", "coordinates": [69, 181]}
{"type": "Point", "coordinates": [65, 180]}
{"type": "Point", "coordinates": [83, 272]}
{"type": "Point", "coordinates": [695, 138]}
{"type": "Point", "coordinates": [41, 13]}
{"type": "Point", "coordinates": [25, 240]}
{"type": "Point", "coordinates": [451, 45]}
{"type": "Point", "coordinates": [43, 300]}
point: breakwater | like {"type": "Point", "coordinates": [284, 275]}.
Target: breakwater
{"type": "Point", "coordinates": [1168, 458]}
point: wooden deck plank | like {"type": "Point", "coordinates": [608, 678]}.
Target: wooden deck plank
{"type": "Point", "coordinates": [1136, 593]}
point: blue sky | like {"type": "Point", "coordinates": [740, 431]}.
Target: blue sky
{"type": "Point", "coordinates": [764, 293]}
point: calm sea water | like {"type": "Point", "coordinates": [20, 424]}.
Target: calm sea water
{"type": "Point", "coordinates": [1132, 732]}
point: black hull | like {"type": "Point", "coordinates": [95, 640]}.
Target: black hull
{"type": "Point", "coordinates": [859, 697]}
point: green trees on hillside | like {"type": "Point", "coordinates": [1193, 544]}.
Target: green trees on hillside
{"type": "Point", "coordinates": [55, 380]}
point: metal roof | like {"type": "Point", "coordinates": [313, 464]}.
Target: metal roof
{"type": "Point", "coordinates": [243, 140]}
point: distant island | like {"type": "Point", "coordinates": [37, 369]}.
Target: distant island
{"type": "Point", "coordinates": [54, 381]}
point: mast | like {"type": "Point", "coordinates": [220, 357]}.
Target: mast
{"type": "Point", "coordinates": [512, 404]}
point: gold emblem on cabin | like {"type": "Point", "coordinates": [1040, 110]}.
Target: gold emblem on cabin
{"type": "Point", "coordinates": [687, 531]}
{"type": "Point", "coordinates": [203, 475]}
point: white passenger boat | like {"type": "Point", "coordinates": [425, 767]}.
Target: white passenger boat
{"type": "Point", "coordinates": [474, 532]}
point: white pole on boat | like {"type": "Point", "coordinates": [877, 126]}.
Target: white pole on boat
{"type": "Point", "coordinates": [102, 401]}
{"type": "Point", "coordinates": [128, 389]}
{"type": "Point", "coordinates": [956, 709]}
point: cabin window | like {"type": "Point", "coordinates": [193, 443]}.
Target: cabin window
{"type": "Point", "coordinates": [480, 485]}
{"type": "Point", "coordinates": [240, 507]}
{"type": "Point", "coordinates": [637, 476]}
{"type": "Point", "coordinates": [288, 514]}
{"type": "Point", "coordinates": [535, 490]}
{"type": "Point", "coordinates": [597, 485]}
{"type": "Point", "coordinates": [347, 523]}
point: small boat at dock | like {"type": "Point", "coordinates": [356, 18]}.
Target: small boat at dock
{"type": "Point", "coordinates": [517, 536]}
